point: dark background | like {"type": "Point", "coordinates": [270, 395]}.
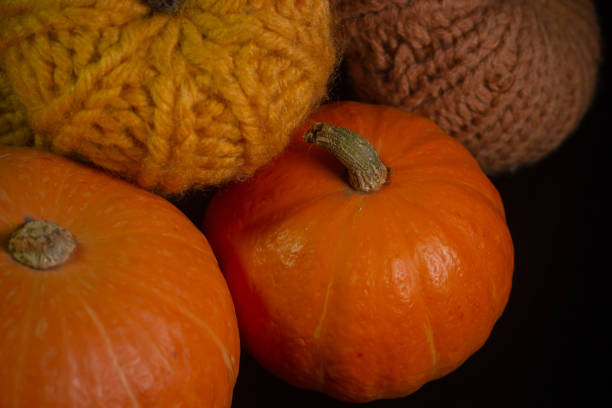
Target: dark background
{"type": "Point", "coordinates": [550, 343]}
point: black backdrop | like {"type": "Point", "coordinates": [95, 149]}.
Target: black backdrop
{"type": "Point", "coordinates": [551, 340]}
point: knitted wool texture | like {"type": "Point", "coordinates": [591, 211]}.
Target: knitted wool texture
{"type": "Point", "coordinates": [510, 79]}
{"type": "Point", "coordinates": [194, 96]}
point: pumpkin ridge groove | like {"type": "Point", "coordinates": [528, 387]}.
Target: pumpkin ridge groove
{"type": "Point", "coordinates": [429, 333]}
{"type": "Point", "coordinates": [355, 213]}
{"type": "Point", "coordinates": [320, 373]}
{"type": "Point", "coordinates": [317, 331]}
{"type": "Point", "coordinates": [4, 198]}
{"type": "Point", "coordinates": [340, 244]}
{"type": "Point", "coordinates": [154, 345]}
{"type": "Point", "coordinates": [69, 358]}
{"type": "Point", "coordinates": [224, 352]}
{"type": "Point", "coordinates": [25, 340]}
{"type": "Point", "coordinates": [107, 341]}
{"type": "Point", "coordinates": [473, 193]}
{"type": "Point", "coordinates": [144, 332]}
{"type": "Point", "coordinates": [431, 340]}
{"type": "Point", "coordinates": [495, 205]}
{"type": "Point", "coordinates": [450, 234]}
{"type": "Point", "coordinates": [225, 355]}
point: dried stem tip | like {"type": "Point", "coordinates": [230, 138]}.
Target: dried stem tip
{"type": "Point", "coordinates": [367, 173]}
{"type": "Point", "coordinates": [41, 244]}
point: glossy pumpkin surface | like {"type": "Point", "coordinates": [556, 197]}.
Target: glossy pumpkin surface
{"type": "Point", "coordinates": [140, 315]}
{"type": "Point", "coordinates": [365, 296]}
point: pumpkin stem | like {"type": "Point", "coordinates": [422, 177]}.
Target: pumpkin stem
{"type": "Point", "coordinates": [367, 173]}
{"type": "Point", "coordinates": [41, 244]}
{"type": "Point", "coordinates": [164, 6]}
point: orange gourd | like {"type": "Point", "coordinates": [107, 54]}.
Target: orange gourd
{"type": "Point", "coordinates": [132, 310]}
{"type": "Point", "coordinates": [365, 295]}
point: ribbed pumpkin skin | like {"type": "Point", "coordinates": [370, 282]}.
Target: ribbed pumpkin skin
{"type": "Point", "coordinates": [139, 316]}
{"type": "Point", "coordinates": [365, 296]}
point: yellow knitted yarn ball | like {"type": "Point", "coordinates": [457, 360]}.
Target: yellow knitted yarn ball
{"type": "Point", "coordinates": [168, 97]}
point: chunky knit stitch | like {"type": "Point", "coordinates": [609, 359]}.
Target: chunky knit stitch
{"type": "Point", "coordinates": [197, 95]}
{"type": "Point", "coordinates": [510, 79]}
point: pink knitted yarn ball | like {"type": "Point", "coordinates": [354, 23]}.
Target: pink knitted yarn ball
{"type": "Point", "coordinates": [510, 79]}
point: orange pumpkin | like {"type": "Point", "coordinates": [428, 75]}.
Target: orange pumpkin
{"type": "Point", "coordinates": [362, 295]}
{"type": "Point", "coordinates": [138, 314]}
